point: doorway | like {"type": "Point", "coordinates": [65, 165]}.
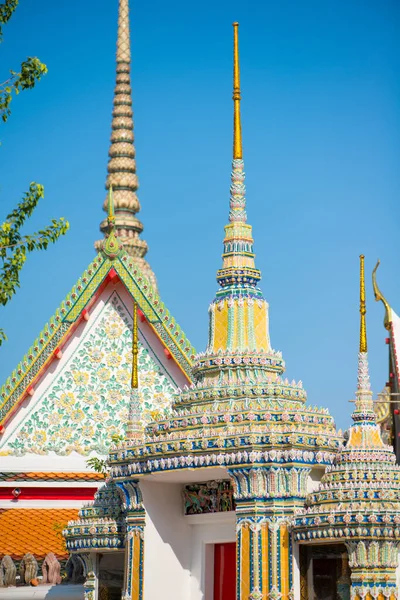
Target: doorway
{"type": "Point", "coordinates": [225, 571]}
{"type": "Point", "coordinates": [324, 572]}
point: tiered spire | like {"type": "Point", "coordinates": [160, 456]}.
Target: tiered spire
{"type": "Point", "coordinates": [122, 165]}
{"type": "Point", "coordinates": [239, 313]}
{"type": "Point", "coordinates": [238, 258]}
{"type": "Point", "coordinates": [358, 499]}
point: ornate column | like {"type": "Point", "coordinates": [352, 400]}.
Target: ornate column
{"type": "Point", "coordinates": [135, 516]}
{"type": "Point", "coordinates": [91, 585]}
{"type": "Point", "coordinates": [373, 570]}
{"type": "Point", "coordinates": [265, 499]}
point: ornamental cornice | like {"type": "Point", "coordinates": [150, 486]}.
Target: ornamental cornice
{"type": "Point", "coordinates": [245, 359]}
{"type": "Point", "coordinates": [258, 417]}
{"type": "Point", "coordinates": [127, 468]}
{"type": "Point", "coordinates": [205, 391]}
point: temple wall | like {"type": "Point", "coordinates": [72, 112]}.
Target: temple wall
{"type": "Point", "coordinates": [296, 570]}
{"type": "Point", "coordinates": [167, 543]}
{"type": "Point", "coordinates": [207, 530]}
{"type": "Point", "coordinates": [398, 573]}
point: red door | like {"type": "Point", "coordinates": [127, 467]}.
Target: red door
{"type": "Point", "coordinates": [225, 571]}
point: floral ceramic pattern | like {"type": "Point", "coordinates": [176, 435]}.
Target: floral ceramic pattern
{"type": "Point", "coordinates": [88, 401]}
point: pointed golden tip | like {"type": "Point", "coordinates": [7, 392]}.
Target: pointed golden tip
{"type": "Point", "coordinates": [111, 214]}
{"type": "Point", "coordinates": [363, 309]}
{"type": "Point", "coordinates": [237, 126]}
{"type": "Point", "coordinates": [235, 24]}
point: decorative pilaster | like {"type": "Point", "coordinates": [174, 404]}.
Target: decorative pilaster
{"type": "Point", "coordinates": [264, 505]}
{"type": "Point", "coordinates": [135, 517]}
{"type": "Point", "coordinates": [91, 585]}
{"type": "Point", "coordinates": [373, 570]}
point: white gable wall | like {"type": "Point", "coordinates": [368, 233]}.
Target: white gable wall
{"type": "Point", "coordinates": [83, 398]}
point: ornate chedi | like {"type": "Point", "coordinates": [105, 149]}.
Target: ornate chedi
{"type": "Point", "coordinates": [358, 499]}
{"type": "Point", "coordinates": [122, 165]}
{"type": "Point", "coordinates": [240, 414]}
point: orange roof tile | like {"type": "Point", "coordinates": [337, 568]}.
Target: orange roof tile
{"type": "Point", "coordinates": [54, 476]}
{"type": "Point", "coordinates": [35, 530]}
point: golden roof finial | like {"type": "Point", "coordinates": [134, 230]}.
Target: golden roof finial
{"type": "Point", "coordinates": [379, 296]}
{"type": "Point", "coordinates": [135, 349]}
{"type": "Point", "coordinates": [363, 310]}
{"type": "Point", "coordinates": [110, 208]}
{"type": "Point", "coordinates": [237, 127]}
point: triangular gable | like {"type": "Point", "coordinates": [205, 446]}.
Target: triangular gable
{"type": "Point", "coordinates": [101, 274]}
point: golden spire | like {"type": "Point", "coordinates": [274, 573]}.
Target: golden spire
{"type": "Point", "coordinates": [237, 126]}
{"type": "Point", "coordinates": [363, 310]}
{"type": "Point", "coordinates": [134, 429]}
{"type": "Point", "coordinates": [110, 208]}
{"type": "Point", "coordinates": [135, 349]}
{"type": "Point", "coordinates": [379, 296]}
{"type": "Point", "coordinates": [111, 246]}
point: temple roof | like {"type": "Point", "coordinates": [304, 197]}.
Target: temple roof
{"type": "Point", "coordinates": [34, 530]}
{"type": "Point", "coordinates": [99, 524]}
{"type": "Point", "coordinates": [76, 306]}
{"type": "Point", "coordinates": [51, 476]}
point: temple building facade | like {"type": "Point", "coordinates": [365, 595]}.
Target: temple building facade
{"type": "Point", "coordinates": [135, 468]}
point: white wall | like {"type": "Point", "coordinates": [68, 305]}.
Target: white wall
{"type": "Point", "coordinates": [167, 543]}
{"type": "Point", "coordinates": [398, 574]}
{"type": "Point", "coordinates": [207, 530]}
{"type": "Point", "coordinates": [296, 570]}
{"type": "Point", "coordinates": [314, 479]}
{"type": "Point", "coordinates": [43, 592]}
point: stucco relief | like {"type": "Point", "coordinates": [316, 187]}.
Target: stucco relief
{"type": "Point", "coordinates": [87, 402]}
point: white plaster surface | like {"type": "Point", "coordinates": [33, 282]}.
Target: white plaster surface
{"type": "Point", "coordinates": [43, 592]}
{"type": "Point", "coordinates": [314, 479]}
{"type": "Point", "coordinates": [167, 543]}
{"type": "Point", "coordinates": [398, 573]}
{"type": "Point", "coordinates": [43, 386]}
{"type": "Point", "coordinates": [59, 504]}
{"type": "Point", "coordinates": [296, 570]}
{"type": "Point", "coordinates": [207, 530]}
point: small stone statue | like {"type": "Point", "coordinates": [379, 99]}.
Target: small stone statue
{"type": "Point", "coordinates": [28, 568]}
{"type": "Point", "coordinates": [51, 569]}
{"type": "Point", "coordinates": [8, 572]}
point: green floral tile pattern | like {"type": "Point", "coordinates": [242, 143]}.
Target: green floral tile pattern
{"type": "Point", "coordinates": [88, 400]}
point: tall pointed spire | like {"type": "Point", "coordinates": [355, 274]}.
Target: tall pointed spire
{"type": "Point", "coordinates": [238, 258]}
{"type": "Point", "coordinates": [239, 313]}
{"type": "Point", "coordinates": [237, 125]}
{"type": "Point", "coordinates": [122, 165]}
{"type": "Point", "coordinates": [364, 408]}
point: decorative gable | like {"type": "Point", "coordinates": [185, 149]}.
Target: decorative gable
{"type": "Point", "coordinates": [71, 391]}
{"type": "Point", "coordinates": [87, 401]}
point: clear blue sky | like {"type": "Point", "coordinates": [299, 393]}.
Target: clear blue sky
{"type": "Point", "coordinates": [321, 130]}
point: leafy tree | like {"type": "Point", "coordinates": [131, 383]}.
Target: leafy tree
{"type": "Point", "coordinates": [14, 247]}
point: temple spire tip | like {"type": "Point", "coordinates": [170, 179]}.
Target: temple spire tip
{"type": "Point", "coordinates": [237, 126]}
{"type": "Point", "coordinates": [363, 309]}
